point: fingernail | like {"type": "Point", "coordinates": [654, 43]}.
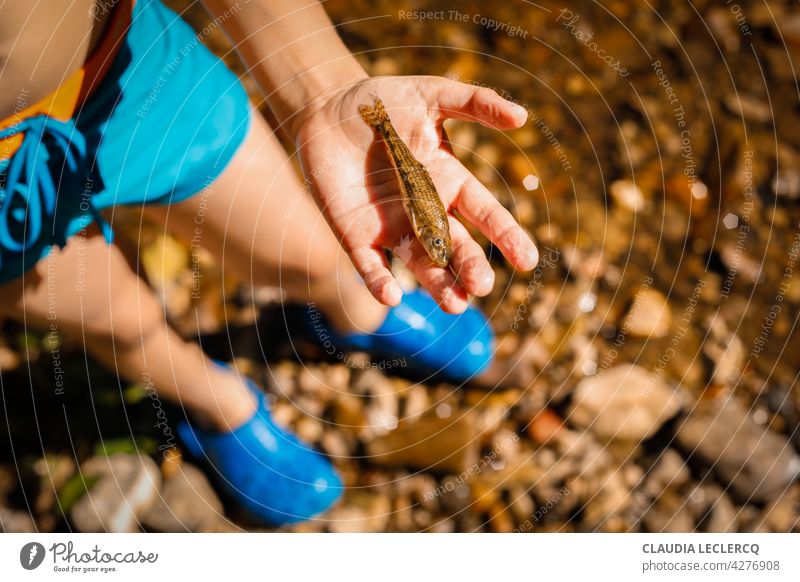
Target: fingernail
{"type": "Point", "coordinates": [521, 110]}
{"type": "Point", "coordinates": [396, 295]}
{"type": "Point", "coordinates": [533, 258]}
{"type": "Point", "coordinates": [487, 282]}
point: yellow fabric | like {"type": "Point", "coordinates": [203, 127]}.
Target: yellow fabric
{"type": "Point", "coordinates": [60, 104]}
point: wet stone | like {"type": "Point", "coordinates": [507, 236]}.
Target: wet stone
{"type": "Point", "coordinates": [127, 487]}
{"type": "Point", "coordinates": [626, 402]}
{"type": "Point", "coordinates": [757, 463]}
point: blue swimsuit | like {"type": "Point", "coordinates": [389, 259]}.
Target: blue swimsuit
{"type": "Point", "coordinates": [164, 122]}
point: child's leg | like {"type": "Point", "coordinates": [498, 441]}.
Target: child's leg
{"type": "Point", "coordinates": [266, 230]}
{"type": "Point", "coordinates": [89, 291]}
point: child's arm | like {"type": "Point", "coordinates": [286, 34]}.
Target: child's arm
{"type": "Point", "coordinates": [291, 49]}
{"type": "Point", "coordinates": [315, 88]}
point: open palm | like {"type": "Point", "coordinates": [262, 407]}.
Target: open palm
{"type": "Point", "coordinates": [357, 190]}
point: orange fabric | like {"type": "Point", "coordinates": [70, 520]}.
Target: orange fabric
{"type": "Point", "coordinates": [63, 102]}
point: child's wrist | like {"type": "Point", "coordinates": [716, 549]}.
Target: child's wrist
{"type": "Point", "coordinates": [311, 90]}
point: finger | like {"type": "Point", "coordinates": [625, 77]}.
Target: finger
{"type": "Point", "coordinates": [470, 103]}
{"type": "Point", "coordinates": [481, 208]}
{"type": "Point", "coordinates": [439, 282]}
{"type": "Point", "coordinates": [469, 262]}
{"type": "Point", "coordinates": [372, 266]}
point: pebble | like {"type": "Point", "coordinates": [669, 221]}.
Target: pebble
{"type": "Point", "coordinates": [748, 107]}
{"type": "Point", "coordinates": [13, 521]}
{"type": "Point", "coordinates": [723, 517]}
{"type": "Point", "coordinates": [727, 351]}
{"type": "Point", "coordinates": [9, 359]}
{"type": "Point", "coordinates": [334, 444]}
{"type": "Point", "coordinates": [362, 512]}
{"type": "Point", "coordinates": [430, 443]}
{"type": "Point", "coordinates": [649, 315]}
{"type": "Point", "coordinates": [609, 498]}
{"type": "Point", "coordinates": [628, 195]}
{"type": "Point", "coordinates": [544, 426]}
{"type": "Point", "coordinates": [187, 502]}
{"type": "Point", "coordinates": [416, 401]}
{"type": "Point", "coordinates": [313, 381]}
{"type": "Point", "coordinates": [783, 514]}
{"type": "Point", "coordinates": [626, 402]}
{"type": "Point", "coordinates": [668, 514]}
{"type": "Point", "coordinates": [757, 463]}
{"type": "Point", "coordinates": [670, 471]}
{"type": "Point", "coordinates": [282, 378]}
{"type": "Point", "coordinates": [127, 487]}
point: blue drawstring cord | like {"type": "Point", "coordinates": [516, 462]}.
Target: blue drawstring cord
{"type": "Point", "coordinates": [37, 189]}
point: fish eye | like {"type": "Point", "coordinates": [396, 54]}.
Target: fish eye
{"type": "Point", "coordinates": [437, 242]}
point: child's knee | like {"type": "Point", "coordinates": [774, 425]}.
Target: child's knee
{"type": "Point", "coordinates": [128, 318]}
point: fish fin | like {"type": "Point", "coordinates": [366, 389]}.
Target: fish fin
{"type": "Point", "coordinates": [376, 115]}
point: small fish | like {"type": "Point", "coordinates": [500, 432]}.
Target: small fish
{"type": "Point", "coordinates": [421, 202]}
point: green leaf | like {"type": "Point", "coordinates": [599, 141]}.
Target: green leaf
{"type": "Point", "coordinates": [75, 488]}
{"type": "Point", "coordinates": [141, 446]}
{"type": "Point", "coordinates": [134, 393]}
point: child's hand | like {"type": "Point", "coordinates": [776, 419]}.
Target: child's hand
{"type": "Point", "coordinates": [356, 188]}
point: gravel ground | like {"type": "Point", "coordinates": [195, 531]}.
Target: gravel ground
{"type": "Point", "coordinates": [645, 377]}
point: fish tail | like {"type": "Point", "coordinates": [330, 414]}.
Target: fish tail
{"type": "Point", "coordinates": [376, 115]}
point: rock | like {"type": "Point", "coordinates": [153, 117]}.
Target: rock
{"type": "Point", "coordinates": [334, 444]}
{"type": "Point", "coordinates": [348, 413]}
{"type": "Point", "coordinates": [649, 315]}
{"type": "Point", "coordinates": [9, 359]}
{"type": "Point", "coordinates": [13, 521]}
{"type": "Point", "coordinates": [545, 426]}
{"type": "Point", "coordinates": [720, 22]}
{"type": "Point", "coordinates": [633, 475]}
{"type": "Point", "coordinates": [283, 413]}
{"type": "Point", "coordinates": [668, 514]}
{"type": "Point", "coordinates": [282, 379]}
{"type": "Point", "coordinates": [456, 496]}
{"type": "Point", "coordinates": [126, 489]}
{"type": "Point", "coordinates": [416, 401]}
{"type": "Point", "coordinates": [748, 107]}
{"type": "Point", "coordinates": [669, 472]}
{"type": "Point", "coordinates": [611, 498]}
{"type": "Point", "coordinates": [727, 351]}
{"type": "Point", "coordinates": [690, 194]}
{"type": "Point", "coordinates": [783, 514]}
{"type": "Point", "coordinates": [626, 402]}
{"type": "Point", "coordinates": [728, 360]}
{"type": "Point", "coordinates": [337, 377]}
{"type": "Point", "coordinates": [483, 495]}
{"type": "Point", "coordinates": [500, 519]}
{"type": "Point", "coordinates": [757, 463]}
{"type": "Point", "coordinates": [521, 504]}
{"type": "Point", "coordinates": [312, 380]}
{"type": "Point", "coordinates": [628, 195]}
{"type": "Point", "coordinates": [54, 470]}
{"type": "Point", "coordinates": [723, 515]}
{"type": "Point", "coordinates": [789, 27]}
{"type": "Point", "coordinates": [382, 408]}
{"type": "Point", "coordinates": [741, 263]}
{"type": "Point", "coordinates": [361, 512]}
{"type": "Point", "coordinates": [430, 443]}
{"type": "Point", "coordinates": [187, 503]}
{"type": "Point", "coordinates": [309, 429]}
{"type": "Point", "coordinates": [402, 514]}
